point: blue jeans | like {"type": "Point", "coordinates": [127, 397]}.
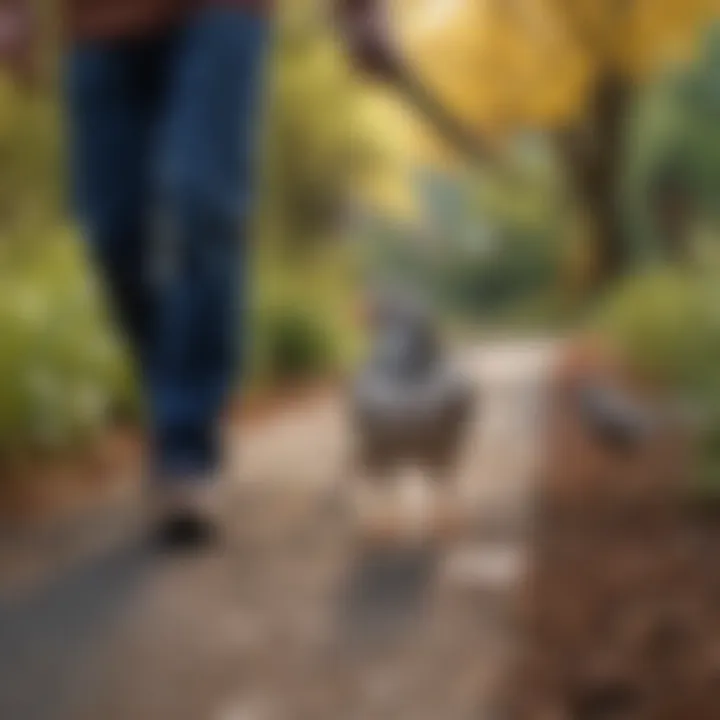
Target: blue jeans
{"type": "Point", "coordinates": [162, 133]}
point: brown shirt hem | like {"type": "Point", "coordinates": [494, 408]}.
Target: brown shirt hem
{"type": "Point", "coordinates": [117, 19]}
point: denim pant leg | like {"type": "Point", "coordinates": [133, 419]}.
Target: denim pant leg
{"type": "Point", "coordinates": [205, 181]}
{"type": "Point", "coordinates": [112, 96]}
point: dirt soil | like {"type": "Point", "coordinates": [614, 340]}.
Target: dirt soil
{"type": "Point", "coordinates": [293, 616]}
{"type": "Point", "coordinates": [620, 610]}
{"type": "Point", "coordinates": [615, 618]}
{"type": "Point", "coordinates": [44, 486]}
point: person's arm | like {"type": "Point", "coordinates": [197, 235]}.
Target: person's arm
{"type": "Point", "coordinates": [18, 40]}
{"type": "Point", "coordinates": [364, 27]}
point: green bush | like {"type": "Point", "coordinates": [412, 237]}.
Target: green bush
{"type": "Point", "coordinates": [480, 248]}
{"type": "Point", "coordinates": [63, 376]}
{"type": "Point", "coordinates": [666, 324]}
{"type": "Point", "coordinates": [295, 345]}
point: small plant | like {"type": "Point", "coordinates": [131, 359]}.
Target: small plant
{"type": "Point", "coordinates": [296, 346]}
{"type": "Point", "coordinates": [63, 375]}
{"type": "Point", "coordinates": [665, 325]}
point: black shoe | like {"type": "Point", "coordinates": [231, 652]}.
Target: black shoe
{"type": "Point", "coordinates": [185, 532]}
{"type": "Point", "coordinates": [184, 516]}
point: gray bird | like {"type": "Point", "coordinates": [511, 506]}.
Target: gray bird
{"type": "Point", "coordinates": [409, 405]}
{"type": "Point", "coordinates": [620, 423]}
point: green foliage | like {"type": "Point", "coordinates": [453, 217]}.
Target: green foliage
{"type": "Point", "coordinates": [313, 145]}
{"type": "Point", "coordinates": [479, 248]}
{"type": "Point", "coordinates": [666, 323]}
{"type": "Point", "coordinates": [508, 247]}
{"type": "Point", "coordinates": [63, 374]}
{"type": "Point", "coordinates": [30, 185]}
{"type": "Point", "coordinates": [673, 135]}
{"type": "Point", "coordinates": [295, 345]}
{"type": "Point", "coordinates": [63, 377]}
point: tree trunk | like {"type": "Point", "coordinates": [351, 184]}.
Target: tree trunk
{"type": "Point", "coordinates": [592, 152]}
{"type": "Point", "coordinates": [675, 220]}
{"type": "Point", "coordinates": [673, 212]}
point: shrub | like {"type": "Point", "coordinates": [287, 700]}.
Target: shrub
{"type": "Point", "coordinates": [666, 325]}
{"type": "Point", "coordinates": [295, 344]}
{"type": "Point", "coordinates": [63, 376]}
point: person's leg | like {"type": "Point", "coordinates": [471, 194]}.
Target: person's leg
{"type": "Point", "coordinates": [113, 92]}
{"type": "Point", "coordinates": [205, 189]}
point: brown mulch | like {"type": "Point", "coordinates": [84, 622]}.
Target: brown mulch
{"type": "Point", "coordinates": [621, 611]}
{"type": "Point", "coordinates": [261, 406]}
{"type": "Point", "coordinates": [46, 485]}
{"type": "Point", "coordinates": [41, 486]}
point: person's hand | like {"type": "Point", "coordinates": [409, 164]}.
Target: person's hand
{"type": "Point", "coordinates": [18, 38]}
{"type": "Point", "coordinates": [364, 27]}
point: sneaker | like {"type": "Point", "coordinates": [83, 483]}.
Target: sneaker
{"type": "Point", "coordinates": [185, 515]}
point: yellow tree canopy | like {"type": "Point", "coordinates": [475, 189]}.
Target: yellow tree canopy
{"type": "Point", "coordinates": [507, 63]}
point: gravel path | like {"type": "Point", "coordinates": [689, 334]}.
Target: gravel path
{"type": "Point", "coordinates": [294, 618]}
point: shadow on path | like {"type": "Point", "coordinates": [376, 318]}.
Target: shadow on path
{"type": "Point", "coordinates": [385, 593]}
{"type": "Point", "coordinates": [47, 639]}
